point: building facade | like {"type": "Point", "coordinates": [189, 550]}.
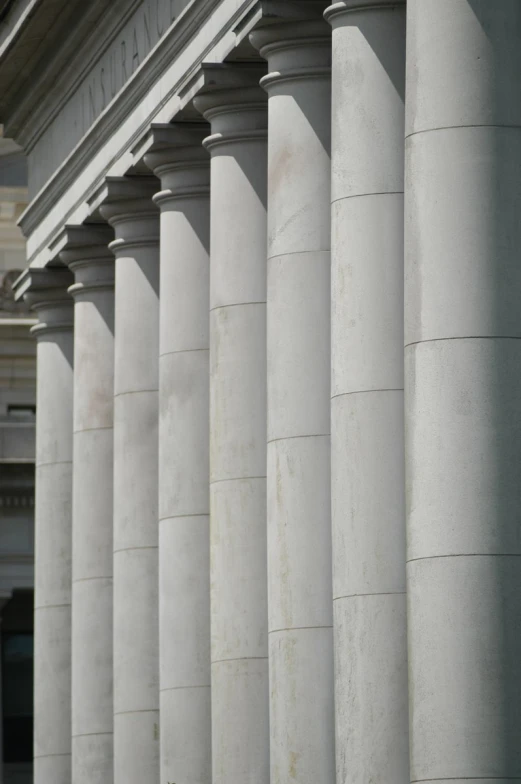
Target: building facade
{"type": "Point", "coordinates": [17, 419]}
{"type": "Point", "coordinates": [273, 251]}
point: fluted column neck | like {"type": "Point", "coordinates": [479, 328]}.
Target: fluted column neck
{"type": "Point", "coordinates": [236, 109]}
{"type": "Point", "coordinates": [130, 210]}
{"type": "Point", "coordinates": [179, 161]}
{"type": "Point", "coordinates": [87, 255]}
{"type": "Point", "coordinates": [48, 296]}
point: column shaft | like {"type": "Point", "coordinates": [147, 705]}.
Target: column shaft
{"type": "Point", "coordinates": [298, 350]}
{"type": "Point", "coordinates": [240, 739]}
{"type": "Point", "coordinates": [367, 441]}
{"type": "Point", "coordinates": [53, 513]}
{"type": "Point", "coordinates": [93, 265]}
{"type": "Point", "coordinates": [179, 160]}
{"type": "Point", "coordinates": [463, 388]}
{"type": "Point", "coordinates": [136, 689]}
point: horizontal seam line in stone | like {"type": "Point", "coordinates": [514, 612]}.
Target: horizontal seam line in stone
{"type": "Point", "coordinates": [180, 688]}
{"type": "Point", "coordinates": [90, 429]}
{"type": "Point", "coordinates": [464, 555]}
{"type": "Point", "coordinates": [299, 253]}
{"type": "Point", "coordinates": [464, 337]}
{"type": "Point", "coordinates": [58, 754]}
{"type": "Point", "coordinates": [470, 778]}
{"type": "Point", "coordinates": [51, 606]}
{"type": "Point", "coordinates": [365, 391]}
{"type": "Point", "coordinates": [364, 195]}
{"type": "Point", "coordinates": [236, 479]}
{"type": "Point", "coordinates": [457, 127]}
{"type": "Point", "coordinates": [238, 305]}
{"type": "Point", "coordinates": [181, 351]}
{"type": "Point", "coordinates": [142, 710]}
{"type": "Point", "coordinates": [240, 658]}
{"type": "Point", "coordinates": [180, 516]}
{"type": "Point", "coordinates": [87, 579]}
{"type": "Point", "coordinates": [91, 734]}
{"type": "Point", "coordinates": [141, 547]}
{"type": "Point", "coordinates": [376, 593]}
{"type": "Point", "coordinates": [54, 462]}
{"type": "Point", "coordinates": [135, 392]}
{"type": "Point", "coordinates": [291, 438]}
{"type": "Point", "coordinates": [300, 628]}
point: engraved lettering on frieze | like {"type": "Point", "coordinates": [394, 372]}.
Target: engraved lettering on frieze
{"type": "Point", "coordinates": [108, 76]}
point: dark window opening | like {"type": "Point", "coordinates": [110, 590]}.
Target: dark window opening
{"type": "Point", "coordinates": [17, 678]}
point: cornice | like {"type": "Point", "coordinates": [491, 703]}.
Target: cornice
{"type": "Point", "coordinates": [46, 21]}
{"type": "Point", "coordinates": [141, 82]}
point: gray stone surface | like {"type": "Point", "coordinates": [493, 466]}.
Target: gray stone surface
{"type": "Point", "coordinates": [183, 166]}
{"type": "Point", "coordinates": [240, 690]}
{"type": "Point", "coordinates": [462, 375]}
{"type": "Point", "coordinates": [88, 256]}
{"type": "Point", "coordinates": [48, 296]}
{"type": "Point", "coordinates": [130, 210]}
{"type": "Point", "coordinates": [367, 445]}
{"type": "Point", "coordinates": [298, 352]}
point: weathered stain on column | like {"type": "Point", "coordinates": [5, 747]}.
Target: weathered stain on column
{"type": "Point", "coordinates": [367, 439]}
{"type": "Point", "coordinates": [88, 256]}
{"type": "Point", "coordinates": [240, 691]}
{"type": "Point", "coordinates": [48, 296]}
{"type": "Point", "coordinates": [182, 165]}
{"type": "Point", "coordinates": [463, 388]}
{"type": "Point", "coordinates": [130, 210]}
{"type": "Point", "coordinates": [298, 349]}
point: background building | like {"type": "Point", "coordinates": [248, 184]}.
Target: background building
{"type": "Point", "coordinates": [17, 418]}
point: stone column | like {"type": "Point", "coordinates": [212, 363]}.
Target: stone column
{"type": "Point", "coordinates": [130, 210]}
{"type": "Point", "coordinates": [299, 519]}
{"type": "Point", "coordinates": [240, 704]}
{"type": "Point", "coordinates": [463, 388]}
{"type": "Point", "coordinates": [53, 516]}
{"type": "Point", "coordinates": [183, 166]}
{"type": "Point", "coordinates": [367, 441]}
{"type": "Point", "coordinates": [91, 261]}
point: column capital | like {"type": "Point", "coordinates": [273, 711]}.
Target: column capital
{"type": "Point", "coordinates": [84, 249]}
{"type": "Point", "coordinates": [46, 292]}
{"type": "Point", "coordinates": [336, 11]}
{"type": "Point", "coordinates": [178, 159]}
{"type": "Point", "coordinates": [128, 207]}
{"type": "Point", "coordinates": [233, 102]}
{"type": "Point", "coordinates": [295, 49]}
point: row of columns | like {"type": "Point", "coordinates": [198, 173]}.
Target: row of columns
{"type": "Point", "coordinates": [276, 576]}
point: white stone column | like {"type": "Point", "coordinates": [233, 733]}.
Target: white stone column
{"type": "Point", "coordinates": [130, 210]}
{"type": "Point", "coordinates": [463, 388]}
{"type": "Point", "coordinates": [183, 166]}
{"type": "Point", "coordinates": [367, 440]}
{"type": "Point", "coordinates": [91, 261]}
{"type": "Point", "coordinates": [299, 518]}
{"type": "Point", "coordinates": [53, 516]}
{"type": "Point", "coordinates": [240, 691]}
